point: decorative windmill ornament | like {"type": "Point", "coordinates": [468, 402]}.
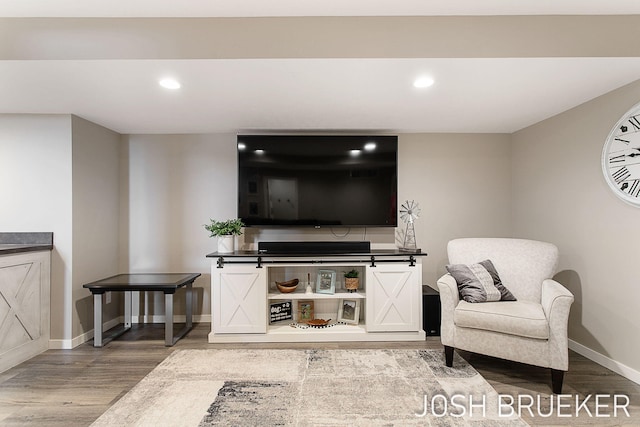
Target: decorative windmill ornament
{"type": "Point", "coordinates": [409, 212]}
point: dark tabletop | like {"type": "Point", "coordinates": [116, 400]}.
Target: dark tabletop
{"type": "Point", "coordinates": [166, 282]}
{"type": "Point", "coordinates": [373, 252]}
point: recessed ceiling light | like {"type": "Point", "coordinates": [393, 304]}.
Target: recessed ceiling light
{"type": "Point", "coordinates": [169, 83]}
{"type": "Point", "coordinates": [241, 146]}
{"type": "Point", "coordinates": [259, 151]}
{"type": "Point", "coordinates": [423, 82]}
{"type": "Point", "coordinates": [370, 146]}
{"type": "Point", "coordinates": [355, 152]}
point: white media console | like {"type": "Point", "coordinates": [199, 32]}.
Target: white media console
{"type": "Point", "coordinates": [389, 298]}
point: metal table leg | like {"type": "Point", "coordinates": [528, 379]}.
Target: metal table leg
{"type": "Point", "coordinates": [99, 340]}
{"type": "Point", "coordinates": [97, 320]}
{"type": "Point", "coordinates": [189, 308]}
{"type": "Point", "coordinates": [169, 338]}
{"type": "Point", "coordinates": [168, 319]}
{"type": "Point", "coordinates": [127, 309]}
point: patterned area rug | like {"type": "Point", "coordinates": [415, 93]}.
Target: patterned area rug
{"type": "Point", "coordinates": [309, 388]}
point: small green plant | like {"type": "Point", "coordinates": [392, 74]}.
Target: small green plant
{"type": "Point", "coordinates": [230, 227]}
{"type": "Point", "coordinates": [351, 273]}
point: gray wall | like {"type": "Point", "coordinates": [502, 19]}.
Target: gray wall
{"type": "Point", "coordinates": [170, 186]}
{"type": "Point", "coordinates": [463, 184]}
{"type": "Point", "coordinates": [544, 182]}
{"type": "Point", "coordinates": [175, 183]}
{"type": "Point", "coordinates": [560, 195]}
{"type": "Point", "coordinates": [59, 173]}
{"type": "Point", "coordinates": [96, 198]}
{"type": "Point", "coordinates": [35, 189]}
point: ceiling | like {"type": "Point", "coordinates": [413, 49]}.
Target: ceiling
{"type": "Point", "coordinates": [490, 94]}
{"type": "Point", "coordinates": [240, 8]}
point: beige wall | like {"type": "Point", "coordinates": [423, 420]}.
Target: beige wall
{"type": "Point", "coordinates": [175, 183]}
{"type": "Point", "coordinates": [95, 163]}
{"type": "Point", "coordinates": [319, 37]}
{"type": "Point", "coordinates": [171, 186]}
{"type": "Point", "coordinates": [59, 173]}
{"type": "Point", "coordinates": [544, 182]}
{"type": "Point", "coordinates": [463, 185]}
{"type": "Point", "coordinates": [559, 195]}
{"type": "Point", "coordinates": [35, 194]}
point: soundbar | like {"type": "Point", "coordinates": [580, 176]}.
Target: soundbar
{"type": "Point", "coordinates": [313, 247]}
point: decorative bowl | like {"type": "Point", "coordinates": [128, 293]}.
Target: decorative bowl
{"type": "Point", "coordinates": [288, 286]}
{"type": "Point", "coordinates": [318, 322]}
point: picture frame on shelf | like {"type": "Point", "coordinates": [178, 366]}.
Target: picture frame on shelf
{"type": "Point", "coordinates": [349, 311]}
{"type": "Point", "coordinates": [326, 282]}
{"type": "Point", "coordinates": [280, 311]}
{"type": "Point", "coordinates": [305, 311]}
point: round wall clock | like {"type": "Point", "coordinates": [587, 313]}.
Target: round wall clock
{"type": "Point", "coordinates": [621, 157]}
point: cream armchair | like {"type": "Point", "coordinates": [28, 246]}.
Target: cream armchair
{"type": "Point", "coordinates": [531, 330]}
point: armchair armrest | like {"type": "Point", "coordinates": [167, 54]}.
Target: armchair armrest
{"type": "Point", "coordinates": [556, 302]}
{"type": "Point", "coordinates": [449, 298]}
{"type": "Point", "coordinates": [448, 289]}
{"type": "Point", "coordinates": [555, 297]}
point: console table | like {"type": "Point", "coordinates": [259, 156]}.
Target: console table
{"type": "Point", "coordinates": [168, 283]}
{"type": "Point", "coordinates": [243, 293]}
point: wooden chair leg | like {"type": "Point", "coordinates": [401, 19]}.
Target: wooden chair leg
{"type": "Point", "coordinates": [556, 381]}
{"type": "Point", "coordinates": [448, 356]}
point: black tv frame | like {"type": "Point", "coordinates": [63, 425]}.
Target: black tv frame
{"type": "Point", "coordinates": [299, 151]}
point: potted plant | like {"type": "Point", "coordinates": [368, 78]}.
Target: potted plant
{"type": "Point", "coordinates": [225, 231]}
{"type": "Point", "coordinates": [351, 281]}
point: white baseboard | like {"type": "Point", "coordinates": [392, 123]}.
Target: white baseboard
{"type": "Point", "coordinates": [178, 318]}
{"type": "Point", "coordinates": [81, 339]}
{"type": "Point", "coordinates": [607, 362]}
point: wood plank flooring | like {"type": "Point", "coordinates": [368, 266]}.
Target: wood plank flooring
{"type": "Point", "coordinates": [74, 387]}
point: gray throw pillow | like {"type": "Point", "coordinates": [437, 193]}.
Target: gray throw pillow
{"type": "Point", "coordinates": [479, 282]}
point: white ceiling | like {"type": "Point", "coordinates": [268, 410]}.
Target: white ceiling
{"type": "Point", "coordinates": [470, 95]}
{"type": "Point", "coordinates": [230, 95]}
{"type": "Point", "coordinates": [240, 8]}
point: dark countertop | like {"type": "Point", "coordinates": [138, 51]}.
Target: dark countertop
{"type": "Point", "coordinates": [14, 243]}
{"type": "Point", "coordinates": [6, 249]}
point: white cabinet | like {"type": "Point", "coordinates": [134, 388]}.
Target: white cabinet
{"type": "Point", "coordinates": [394, 298]}
{"type": "Point", "coordinates": [24, 306]}
{"type": "Point", "coordinates": [238, 299]}
{"type": "Point", "coordinates": [389, 299]}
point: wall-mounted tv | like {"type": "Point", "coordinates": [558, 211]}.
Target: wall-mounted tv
{"type": "Point", "coordinates": [318, 180]}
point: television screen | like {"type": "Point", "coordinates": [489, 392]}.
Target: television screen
{"type": "Point", "coordinates": [317, 180]}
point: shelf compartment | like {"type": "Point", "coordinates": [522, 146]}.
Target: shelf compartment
{"type": "Point", "coordinates": [315, 296]}
{"type": "Point", "coordinates": [287, 329]}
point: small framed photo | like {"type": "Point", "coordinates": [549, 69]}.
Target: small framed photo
{"type": "Point", "coordinates": [326, 282]}
{"type": "Point", "coordinates": [305, 311]}
{"type": "Point", "coordinates": [349, 311]}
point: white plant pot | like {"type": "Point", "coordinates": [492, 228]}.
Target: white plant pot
{"type": "Point", "coordinates": [226, 244]}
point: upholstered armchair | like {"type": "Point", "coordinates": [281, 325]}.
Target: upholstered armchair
{"type": "Point", "coordinates": [532, 329]}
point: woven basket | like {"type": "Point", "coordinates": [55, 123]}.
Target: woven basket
{"type": "Point", "coordinates": [351, 283]}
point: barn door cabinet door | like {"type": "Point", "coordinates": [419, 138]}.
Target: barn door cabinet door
{"type": "Point", "coordinates": [239, 299]}
{"type": "Point", "coordinates": [24, 306]}
{"type": "Point", "coordinates": [394, 298]}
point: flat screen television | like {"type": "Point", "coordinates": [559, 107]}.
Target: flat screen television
{"type": "Point", "coordinates": [318, 180]}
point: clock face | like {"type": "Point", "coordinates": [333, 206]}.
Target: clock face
{"type": "Point", "coordinates": [621, 157]}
